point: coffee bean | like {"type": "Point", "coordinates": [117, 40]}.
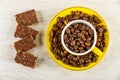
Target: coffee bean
{"type": "Point", "coordinates": [81, 48]}
{"type": "Point", "coordinates": [76, 16]}
{"type": "Point", "coordinates": [65, 36]}
{"type": "Point", "coordinates": [59, 24]}
{"type": "Point", "coordinates": [63, 59]}
{"type": "Point", "coordinates": [88, 61]}
{"type": "Point", "coordinates": [62, 54]}
{"type": "Point", "coordinates": [78, 43]}
{"type": "Point", "coordinates": [51, 33]}
{"type": "Point", "coordinates": [81, 65]}
{"type": "Point", "coordinates": [70, 56]}
{"type": "Point", "coordinates": [77, 51]}
{"type": "Point", "coordinates": [86, 64]}
{"type": "Point", "coordinates": [55, 28]}
{"type": "Point", "coordinates": [88, 39]}
{"type": "Point", "coordinates": [75, 26]}
{"type": "Point", "coordinates": [71, 61]}
{"type": "Point", "coordinates": [77, 13]}
{"type": "Point", "coordinates": [81, 60]}
{"type": "Point", "coordinates": [73, 43]}
{"type": "Point", "coordinates": [81, 15]}
{"type": "Point", "coordinates": [68, 31]}
{"type": "Point", "coordinates": [54, 40]}
{"type": "Point", "coordinates": [94, 59]}
{"type": "Point", "coordinates": [66, 22]}
{"type": "Point", "coordinates": [69, 17]}
{"type": "Point", "coordinates": [71, 38]}
{"type": "Point", "coordinates": [87, 43]}
{"type": "Point", "coordinates": [76, 47]}
{"type": "Point", "coordinates": [77, 31]}
{"type": "Point", "coordinates": [81, 51]}
{"type": "Point", "coordinates": [58, 57]}
{"type": "Point", "coordinates": [75, 59]}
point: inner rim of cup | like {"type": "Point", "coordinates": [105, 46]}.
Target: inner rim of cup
{"type": "Point", "coordinates": [83, 22]}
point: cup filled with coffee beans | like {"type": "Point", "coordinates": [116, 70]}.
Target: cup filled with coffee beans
{"type": "Point", "coordinates": [77, 38]}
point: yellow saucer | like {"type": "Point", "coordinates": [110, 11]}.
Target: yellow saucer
{"type": "Point", "coordinates": [95, 50]}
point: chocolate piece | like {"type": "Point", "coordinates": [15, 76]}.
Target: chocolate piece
{"type": "Point", "coordinates": [27, 18]}
{"type": "Point", "coordinates": [26, 59]}
{"type": "Point", "coordinates": [23, 31]}
{"type": "Point", "coordinates": [25, 44]}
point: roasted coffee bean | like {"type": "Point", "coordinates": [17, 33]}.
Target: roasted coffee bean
{"type": "Point", "coordinates": [67, 61]}
{"type": "Point", "coordinates": [54, 40]}
{"type": "Point", "coordinates": [65, 36]}
{"type": "Point", "coordinates": [81, 51]}
{"type": "Point", "coordinates": [76, 17]}
{"type": "Point", "coordinates": [75, 26]}
{"type": "Point", "coordinates": [58, 57]}
{"type": "Point", "coordinates": [77, 31]}
{"type": "Point", "coordinates": [69, 17]}
{"type": "Point", "coordinates": [87, 43]}
{"type": "Point", "coordinates": [96, 19]}
{"type": "Point", "coordinates": [86, 64]}
{"type": "Point", "coordinates": [55, 28]}
{"type": "Point", "coordinates": [77, 51]}
{"type": "Point", "coordinates": [94, 59]}
{"type": "Point", "coordinates": [66, 22]}
{"type": "Point", "coordinates": [88, 39]}
{"type": "Point", "coordinates": [78, 43]}
{"type": "Point", "coordinates": [73, 43]}
{"type": "Point", "coordinates": [81, 15]}
{"type": "Point", "coordinates": [70, 56]}
{"type": "Point", "coordinates": [51, 33]}
{"type": "Point", "coordinates": [63, 59]}
{"type": "Point", "coordinates": [76, 47]}
{"type": "Point", "coordinates": [77, 12]}
{"type": "Point", "coordinates": [81, 61]}
{"type": "Point", "coordinates": [81, 65]}
{"type": "Point", "coordinates": [59, 24]}
{"type": "Point", "coordinates": [62, 26]}
{"type": "Point", "coordinates": [75, 59]}
{"type": "Point", "coordinates": [71, 38]}
{"type": "Point", "coordinates": [88, 61]}
{"type": "Point", "coordinates": [68, 31]}
{"type": "Point", "coordinates": [81, 48]}
{"type": "Point", "coordinates": [71, 61]}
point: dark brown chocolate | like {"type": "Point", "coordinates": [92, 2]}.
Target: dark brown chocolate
{"type": "Point", "coordinates": [27, 18]}
{"type": "Point", "coordinates": [26, 59]}
{"type": "Point", "coordinates": [24, 31]}
{"type": "Point", "coordinates": [25, 44]}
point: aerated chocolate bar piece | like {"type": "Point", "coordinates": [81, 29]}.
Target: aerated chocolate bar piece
{"type": "Point", "coordinates": [26, 59]}
{"type": "Point", "coordinates": [25, 44]}
{"type": "Point", "coordinates": [24, 31]}
{"type": "Point", "coordinates": [27, 18]}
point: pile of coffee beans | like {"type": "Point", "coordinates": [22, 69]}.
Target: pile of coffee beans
{"type": "Point", "coordinates": [78, 37]}
{"type": "Point", "coordinates": [59, 51]}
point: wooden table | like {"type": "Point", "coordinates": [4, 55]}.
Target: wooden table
{"type": "Point", "coordinates": [47, 69]}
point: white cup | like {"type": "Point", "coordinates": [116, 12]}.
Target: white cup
{"type": "Point", "coordinates": [83, 22]}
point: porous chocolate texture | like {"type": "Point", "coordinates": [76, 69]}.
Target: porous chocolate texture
{"type": "Point", "coordinates": [26, 59]}
{"type": "Point", "coordinates": [27, 18]}
{"type": "Point", "coordinates": [24, 31]}
{"type": "Point", "coordinates": [25, 44]}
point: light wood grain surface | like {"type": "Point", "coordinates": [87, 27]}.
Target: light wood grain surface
{"type": "Point", "coordinates": [47, 69]}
